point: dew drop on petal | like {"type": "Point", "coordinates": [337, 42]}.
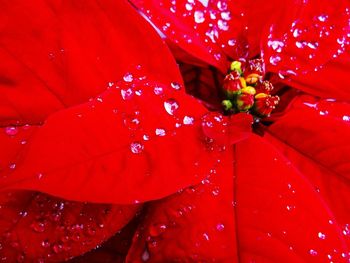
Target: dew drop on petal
{"type": "Point", "coordinates": [136, 147]}
{"type": "Point", "coordinates": [175, 86]}
{"type": "Point", "coordinates": [220, 227]}
{"type": "Point", "coordinates": [188, 120]}
{"type": "Point", "coordinates": [313, 252]}
{"type": "Point", "coordinates": [45, 243]}
{"type": "Point", "coordinates": [128, 77]}
{"type": "Point", "coordinates": [226, 15]}
{"type": "Point", "coordinates": [57, 248]}
{"type": "Point", "coordinates": [11, 130]}
{"type": "Point", "coordinates": [12, 166]}
{"type": "Point", "coordinates": [223, 25]}
{"type": "Point", "coordinates": [132, 122]}
{"type": "Point", "coordinates": [171, 106]}
{"type": "Point", "coordinates": [189, 6]}
{"type": "Point", "coordinates": [126, 93]}
{"type": "Point", "coordinates": [145, 255]}
{"type": "Point", "coordinates": [158, 90]}
{"type": "Point", "coordinates": [274, 60]}
{"type": "Point", "coordinates": [160, 132]}
{"type": "Point", "coordinates": [231, 42]}
{"type": "Point", "coordinates": [198, 17]}
{"type": "Point", "coordinates": [206, 236]}
{"type": "Point", "coordinates": [215, 191]}
{"type": "Point", "coordinates": [38, 226]}
{"type": "Point", "coordinates": [321, 235]}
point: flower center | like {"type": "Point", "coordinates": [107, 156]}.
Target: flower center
{"type": "Point", "coordinates": [246, 90]}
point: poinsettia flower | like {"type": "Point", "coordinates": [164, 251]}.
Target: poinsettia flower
{"type": "Point", "coordinates": [300, 43]}
{"type": "Point", "coordinates": [223, 194]}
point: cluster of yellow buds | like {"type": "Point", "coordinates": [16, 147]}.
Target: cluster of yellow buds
{"type": "Point", "coordinates": [246, 91]}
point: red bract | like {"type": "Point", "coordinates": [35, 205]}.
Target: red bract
{"type": "Point", "coordinates": [111, 123]}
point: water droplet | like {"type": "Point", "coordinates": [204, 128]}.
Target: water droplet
{"type": "Point", "coordinates": [138, 92]}
{"type": "Point", "coordinates": [12, 166]}
{"type": "Point", "coordinates": [297, 32]}
{"type": "Point", "coordinates": [11, 130]}
{"type": "Point", "coordinates": [158, 90]}
{"type": "Point", "coordinates": [223, 25]}
{"type": "Point", "coordinates": [290, 207]}
{"type": "Point", "coordinates": [220, 227]}
{"type": "Point", "coordinates": [346, 118]}
{"type": "Point", "coordinates": [39, 175]}
{"type": "Point", "coordinates": [222, 5]}
{"type": "Point", "coordinates": [322, 18]}
{"type": "Point", "coordinates": [23, 213]}
{"type": "Point", "coordinates": [20, 258]}
{"type": "Point", "coordinates": [126, 93]}
{"type": "Point", "coordinates": [276, 45]}
{"type": "Point", "coordinates": [160, 132]}
{"type": "Point", "coordinates": [206, 236]}
{"type": "Point", "coordinates": [175, 85]}
{"type": "Point", "coordinates": [136, 147]}
{"type": "Point", "coordinates": [189, 6]}
{"type": "Point", "coordinates": [321, 235]}
{"type": "Point", "coordinates": [128, 77]}
{"type": "Point", "coordinates": [231, 42]}
{"type": "Point", "coordinates": [188, 120]}
{"type": "Point", "coordinates": [91, 231]}
{"type": "Point", "coordinates": [274, 60]}
{"type": "Point", "coordinates": [131, 122]}
{"type": "Point", "coordinates": [145, 137]}
{"type": "Point", "coordinates": [45, 243]}
{"type": "Point", "coordinates": [199, 17]}
{"type": "Point", "coordinates": [213, 34]}
{"type": "Point", "coordinates": [38, 226]}
{"type": "Point", "coordinates": [57, 248]}
{"type": "Point", "coordinates": [157, 229]}
{"type": "Point", "coordinates": [215, 191]}
{"type": "Point", "coordinates": [171, 106]}
{"type": "Point", "coordinates": [145, 255]}
{"type": "Point", "coordinates": [226, 15]}
{"type": "Point", "coordinates": [313, 252]}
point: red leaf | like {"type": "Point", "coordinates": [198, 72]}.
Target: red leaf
{"type": "Point", "coordinates": [138, 141]}
{"type": "Point", "coordinates": [113, 250]}
{"type": "Point", "coordinates": [261, 209]}
{"type": "Point", "coordinates": [330, 81]}
{"type": "Point", "coordinates": [306, 36]}
{"type": "Point", "coordinates": [332, 187]}
{"type": "Point", "coordinates": [320, 130]}
{"type": "Point", "coordinates": [194, 225]}
{"type": "Point", "coordinates": [98, 144]}
{"type": "Point", "coordinates": [212, 30]}
{"type": "Point", "coordinates": [60, 54]}
{"type": "Point", "coordinates": [314, 134]}
{"type": "Point", "coordinates": [36, 227]}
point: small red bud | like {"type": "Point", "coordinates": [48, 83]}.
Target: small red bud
{"type": "Point", "coordinates": [265, 104]}
{"type": "Point", "coordinates": [233, 83]}
{"type": "Point", "coordinates": [245, 101]}
{"type": "Point", "coordinates": [264, 87]}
